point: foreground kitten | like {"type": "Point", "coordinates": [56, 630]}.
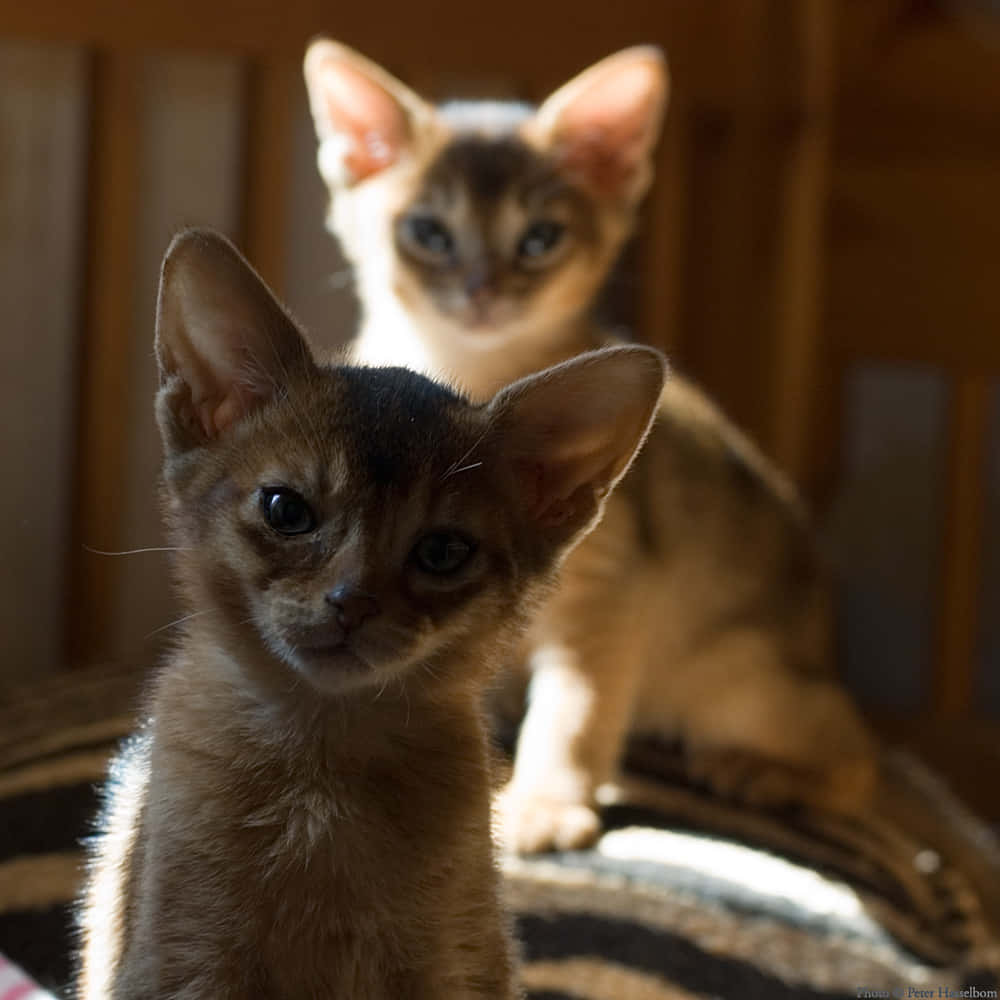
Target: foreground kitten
{"type": "Point", "coordinates": [481, 234]}
{"type": "Point", "coordinates": [306, 813]}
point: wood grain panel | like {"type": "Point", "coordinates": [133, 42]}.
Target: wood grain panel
{"type": "Point", "coordinates": [435, 29]}
{"type": "Point", "coordinates": [661, 238]}
{"type": "Point", "coordinates": [43, 127]}
{"type": "Point", "coordinates": [271, 87]}
{"type": "Point", "coordinates": [802, 192]}
{"type": "Point", "coordinates": [757, 184]}
{"type": "Point", "coordinates": [104, 350]}
{"type": "Point", "coordinates": [961, 575]}
{"type": "Point", "coordinates": [912, 269]}
{"type": "Point", "coordinates": [190, 159]}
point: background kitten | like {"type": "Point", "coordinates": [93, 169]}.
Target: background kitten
{"type": "Point", "coordinates": [479, 253]}
{"type": "Point", "coordinates": [307, 811]}
{"type": "Point", "coordinates": [481, 234]}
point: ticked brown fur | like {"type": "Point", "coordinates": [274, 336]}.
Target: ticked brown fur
{"type": "Point", "coordinates": [306, 811]}
{"type": "Point", "coordinates": [698, 608]}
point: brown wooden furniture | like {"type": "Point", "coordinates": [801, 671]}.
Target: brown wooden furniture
{"type": "Point", "coordinates": [789, 119]}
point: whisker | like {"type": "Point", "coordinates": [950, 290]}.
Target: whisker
{"type": "Point", "coordinates": [464, 468]}
{"type": "Point", "coordinates": [459, 466]}
{"type": "Point", "coordinates": [180, 621]}
{"type": "Point", "coordinates": [132, 552]}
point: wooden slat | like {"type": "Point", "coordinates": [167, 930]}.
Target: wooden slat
{"type": "Point", "coordinates": [912, 270]}
{"type": "Point", "coordinates": [661, 238]}
{"type": "Point", "coordinates": [943, 67]}
{"type": "Point", "coordinates": [562, 37]}
{"type": "Point", "coordinates": [961, 575]}
{"type": "Point", "coordinates": [800, 247]}
{"type": "Point", "coordinates": [272, 89]}
{"type": "Point", "coordinates": [722, 330]}
{"type": "Point", "coordinates": [757, 181]}
{"type": "Point", "coordinates": [104, 348]}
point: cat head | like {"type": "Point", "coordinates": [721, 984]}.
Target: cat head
{"type": "Point", "coordinates": [343, 524]}
{"type": "Point", "coordinates": [492, 219]}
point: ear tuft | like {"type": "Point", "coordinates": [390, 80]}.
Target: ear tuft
{"type": "Point", "coordinates": [365, 118]}
{"type": "Point", "coordinates": [602, 126]}
{"type": "Point", "coordinates": [223, 343]}
{"type": "Point", "coordinates": [570, 433]}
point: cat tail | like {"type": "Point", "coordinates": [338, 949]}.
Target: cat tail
{"type": "Point", "coordinates": [949, 841]}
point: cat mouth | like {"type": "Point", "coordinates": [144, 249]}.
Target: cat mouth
{"type": "Point", "coordinates": [331, 652]}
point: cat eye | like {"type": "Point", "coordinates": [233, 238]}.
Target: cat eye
{"type": "Point", "coordinates": [286, 511]}
{"type": "Point", "coordinates": [442, 552]}
{"type": "Point", "coordinates": [539, 239]}
{"type": "Point", "coordinates": [429, 234]}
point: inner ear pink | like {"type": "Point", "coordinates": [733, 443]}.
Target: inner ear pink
{"type": "Point", "coordinates": [226, 413]}
{"type": "Point", "coordinates": [548, 497]}
{"type": "Point", "coordinates": [371, 119]}
{"type": "Point", "coordinates": [217, 415]}
{"type": "Point", "coordinates": [605, 133]}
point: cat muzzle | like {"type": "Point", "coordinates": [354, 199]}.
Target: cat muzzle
{"type": "Point", "coordinates": [351, 607]}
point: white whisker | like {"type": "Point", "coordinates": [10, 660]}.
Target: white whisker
{"type": "Point", "coordinates": [132, 552]}
{"type": "Point", "coordinates": [179, 621]}
{"type": "Point", "coordinates": [465, 468]}
{"type": "Point", "coordinates": [459, 466]}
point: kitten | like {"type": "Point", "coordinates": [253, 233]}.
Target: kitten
{"type": "Point", "coordinates": [306, 812]}
{"type": "Point", "coordinates": [481, 234]}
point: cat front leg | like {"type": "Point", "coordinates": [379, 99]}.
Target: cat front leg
{"type": "Point", "coordinates": [585, 673]}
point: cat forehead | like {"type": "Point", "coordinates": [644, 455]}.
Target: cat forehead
{"type": "Point", "coordinates": [388, 425]}
{"type": "Point", "coordinates": [485, 117]}
{"type": "Point", "coordinates": [488, 168]}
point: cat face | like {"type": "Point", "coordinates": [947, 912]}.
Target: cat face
{"type": "Point", "coordinates": [346, 524]}
{"type": "Point", "coordinates": [349, 554]}
{"type": "Point", "coordinates": [496, 236]}
{"type": "Point", "coordinates": [492, 219]}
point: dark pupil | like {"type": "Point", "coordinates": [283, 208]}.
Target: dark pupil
{"type": "Point", "coordinates": [431, 235]}
{"type": "Point", "coordinates": [442, 553]}
{"type": "Point", "coordinates": [540, 238]}
{"type": "Point", "coordinates": [287, 512]}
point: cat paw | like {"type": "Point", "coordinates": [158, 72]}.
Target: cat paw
{"type": "Point", "coordinates": [531, 824]}
{"type": "Point", "coordinates": [766, 783]}
{"type": "Point", "coordinates": [745, 777]}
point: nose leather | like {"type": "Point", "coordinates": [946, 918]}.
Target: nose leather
{"type": "Point", "coordinates": [477, 282]}
{"type": "Point", "coordinates": [352, 606]}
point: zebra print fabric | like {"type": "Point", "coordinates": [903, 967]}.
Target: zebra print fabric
{"type": "Point", "coordinates": [683, 897]}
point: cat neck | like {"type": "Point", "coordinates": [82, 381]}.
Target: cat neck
{"type": "Point", "coordinates": [478, 363]}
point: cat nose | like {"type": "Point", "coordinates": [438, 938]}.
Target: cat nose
{"type": "Point", "coordinates": [477, 284]}
{"type": "Point", "coordinates": [352, 606]}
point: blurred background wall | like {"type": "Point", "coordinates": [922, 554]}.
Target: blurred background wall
{"type": "Point", "coordinates": [820, 250]}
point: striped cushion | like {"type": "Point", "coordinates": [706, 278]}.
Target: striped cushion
{"type": "Point", "coordinates": [683, 896]}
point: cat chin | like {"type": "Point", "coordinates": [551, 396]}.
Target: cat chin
{"type": "Point", "coordinates": [336, 672]}
{"type": "Point", "coordinates": [342, 670]}
{"type": "Point", "coordinates": [491, 330]}
{"type": "Point", "coordinates": [485, 335]}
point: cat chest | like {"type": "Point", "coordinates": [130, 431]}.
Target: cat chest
{"type": "Point", "coordinates": [340, 903]}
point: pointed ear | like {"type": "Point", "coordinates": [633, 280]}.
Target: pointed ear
{"type": "Point", "coordinates": [365, 118]}
{"type": "Point", "coordinates": [223, 343]}
{"type": "Point", "coordinates": [569, 433]}
{"type": "Point", "coordinates": [603, 124]}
